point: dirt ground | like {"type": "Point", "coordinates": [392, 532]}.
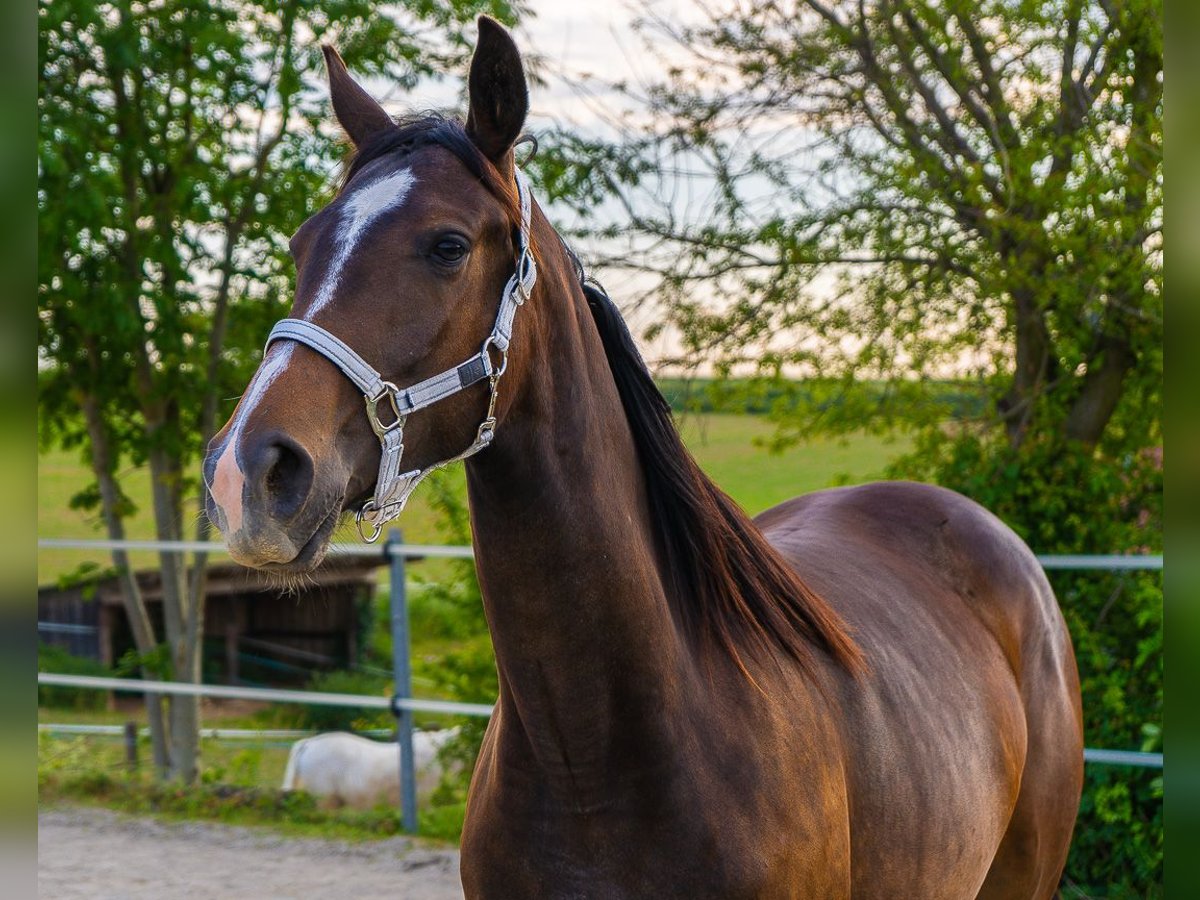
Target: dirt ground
{"type": "Point", "coordinates": [99, 855]}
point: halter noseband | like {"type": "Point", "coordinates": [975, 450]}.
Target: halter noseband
{"type": "Point", "coordinates": [393, 488]}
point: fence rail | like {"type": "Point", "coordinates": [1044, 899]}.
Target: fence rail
{"type": "Point", "coordinates": [1100, 756]}
{"type": "Point", "coordinates": [273, 695]}
{"type": "Point", "coordinates": [221, 734]}
{"type": "Point", "coordinates": [365, 551]}
{"type": "Point", "coordinates": [1135, 758]}
{"type": "Point", "coordinates": [1111, 561]}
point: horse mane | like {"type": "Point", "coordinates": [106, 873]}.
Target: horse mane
{"type": "Point", "coordinates": [730, 583]}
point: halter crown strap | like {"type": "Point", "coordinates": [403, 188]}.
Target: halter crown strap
{"type": "Point", "coordinates": [393, 488]}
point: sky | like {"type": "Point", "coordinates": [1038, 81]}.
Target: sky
{"type": "Point", "coordinates": [576, 41]}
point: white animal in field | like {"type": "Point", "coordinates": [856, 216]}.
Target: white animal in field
{"type": "Point", "coordinates": [341, 769]}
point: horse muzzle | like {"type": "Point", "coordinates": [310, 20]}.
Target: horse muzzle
{"type": "Point", "coordinates": [264, 497]}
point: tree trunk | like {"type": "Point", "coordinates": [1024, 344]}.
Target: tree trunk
{"type": "Point", "coordinates": [135, 608]}
{"type": "Point", "coordinates": [1101, 392]}
{"type": "Point", "coordinates": [1032, 344]}
{"type": "Point", "coordinates": [185, 658]}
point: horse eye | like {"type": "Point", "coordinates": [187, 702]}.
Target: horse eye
{"type": "Point", "coordinates": [450, 250]}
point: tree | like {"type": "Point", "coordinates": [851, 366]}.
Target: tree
{"type": "Point", "coordinates": [921, 189]}
{"type": "Point", "coordinates": [178, 148]}
{"type": "Point", "coordinates": [943, 216]}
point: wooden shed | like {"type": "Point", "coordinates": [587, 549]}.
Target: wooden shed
{"type": "Point", "coordinates": [254, 632]}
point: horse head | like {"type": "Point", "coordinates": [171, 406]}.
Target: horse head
{"type": "Point", "coordinates": [407, 285]}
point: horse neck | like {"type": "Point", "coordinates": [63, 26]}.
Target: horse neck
{"type": "Point", "coordinates": [566, 556]}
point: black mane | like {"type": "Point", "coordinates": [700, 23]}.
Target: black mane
{"type": "Point", "coordinates": [730, 583]}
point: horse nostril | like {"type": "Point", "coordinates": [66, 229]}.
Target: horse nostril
{"type": "Point", "coordinates": [283, 471]}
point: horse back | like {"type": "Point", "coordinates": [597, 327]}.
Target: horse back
{"type": "Point", "coordinates": [899, 553]}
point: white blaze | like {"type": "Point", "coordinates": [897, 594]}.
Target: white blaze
{"type": "Point", "coordinates": [228, 479]}
{"type": "Point", "coordinates": [361, 208]}
{"type": "Point", "coordinates": [273, 365]}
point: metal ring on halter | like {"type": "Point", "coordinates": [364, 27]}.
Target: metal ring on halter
{"type": "Point", "coordinates": [488, 343]}
{"type": "Point", "coordinates": [369, 506]}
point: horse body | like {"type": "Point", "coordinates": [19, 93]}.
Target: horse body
{"type": "Point", "coordinates": [869, 692]}
{"type": "Point", "coordinates": [342, 769]}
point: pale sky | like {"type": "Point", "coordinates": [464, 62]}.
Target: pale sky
{"type": "Point", "coordinates": [596, 39]}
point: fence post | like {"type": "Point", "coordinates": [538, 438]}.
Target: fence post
{"type": "Point", "coordinates": [131, 752]}
{"type": "Point", "coordinates": [402, 667]}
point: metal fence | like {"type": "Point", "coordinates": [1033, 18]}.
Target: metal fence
{"type": "Point", "coordinates": [402, 704]}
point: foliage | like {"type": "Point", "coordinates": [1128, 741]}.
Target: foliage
{"type": "Point", "coordinates": [319, 717]}
{"type": "Point", "coordinates": [899, 190]}
{"type": "Point", "coordinates": [52, 658]}
{"type": "Point", "coordinates": [155, 662]}
{"type": "Point", "coordinates": [947, 398]}
{"type": "Point", "coordinates": [1116, 624]}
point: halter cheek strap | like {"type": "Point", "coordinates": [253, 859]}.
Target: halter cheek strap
{"type": "Point", "coordinates": [386, 401]}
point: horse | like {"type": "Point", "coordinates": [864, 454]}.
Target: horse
{"type": "Point", "coordinates": [864, 692]}
{"type": "Point", "coordinates": [342, 769]}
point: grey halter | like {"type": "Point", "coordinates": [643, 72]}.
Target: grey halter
{"type": "Point", "coordinates": [393, 488]}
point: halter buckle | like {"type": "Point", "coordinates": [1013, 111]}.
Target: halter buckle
{"type": "Point", "coordinates": [486, 432]}
{"type": "Point", "coordinates": [525, 268]}
{"type": "Point", "coordinates": [390, 391]}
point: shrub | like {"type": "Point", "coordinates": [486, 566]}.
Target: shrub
{"type": "Point", "coordinates": [52, 658]}
{"type": "Point", "coordinates": [319, 717]}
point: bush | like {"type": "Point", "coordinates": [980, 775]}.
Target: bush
{"type": "Point", "coordinates": [52, 658]}
{"type": "Point", "coordinates": [319, 717]}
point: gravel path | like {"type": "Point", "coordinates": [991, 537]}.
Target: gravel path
{"type": "Point", "coordinates": [100, 855]}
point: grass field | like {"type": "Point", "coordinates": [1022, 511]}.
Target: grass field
{"type": "Point", "coordinates": [724, 444]}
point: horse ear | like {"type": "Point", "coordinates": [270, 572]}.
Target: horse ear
{"type": "Point", "coordinates": [499, 98]}
{"type": "Point", "coordinates": [356, 111]}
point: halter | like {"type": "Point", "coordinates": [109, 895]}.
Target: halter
{"type": "Point", "coordinates": [393, 488]}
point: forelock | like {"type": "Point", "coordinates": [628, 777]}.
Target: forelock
{"type": "Point", "coordinates": [413, 133]}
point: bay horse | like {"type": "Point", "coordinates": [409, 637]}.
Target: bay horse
{"type": "Point", "coordinates": [864, 692]}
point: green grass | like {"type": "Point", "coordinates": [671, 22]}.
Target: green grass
{"type": "Point", "coordinates": [729, 448]}
{"type": "Point", "coordinates": [239, 784]}
{"type": "Point", "coordinates": [726, 445]}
